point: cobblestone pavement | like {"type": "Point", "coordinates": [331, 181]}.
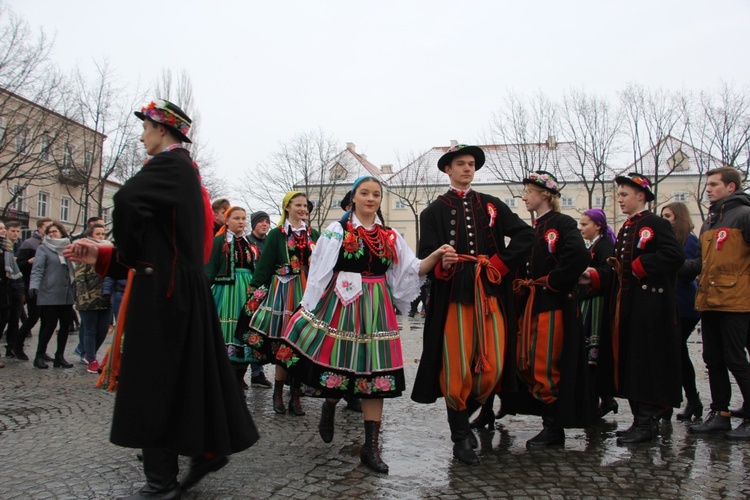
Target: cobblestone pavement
{"type": "Point", "coordinates": [54, 444]}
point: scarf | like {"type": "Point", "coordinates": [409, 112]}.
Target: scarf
{"type": "Point", "coordinates": [11, 268]}
{"type": "Point", "coordinates": [57, 245]}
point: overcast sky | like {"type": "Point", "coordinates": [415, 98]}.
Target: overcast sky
{"type": "Point", "coordinates": [391, 76]}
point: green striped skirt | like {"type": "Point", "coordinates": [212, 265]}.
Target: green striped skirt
{"type": "Point", "coordinates": [338, 349]}
{"type": "Point", "coordinates": [230, 301]}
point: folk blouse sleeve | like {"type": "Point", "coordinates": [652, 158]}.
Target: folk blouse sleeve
{"type": "Point", "coordinates": [322, 262]}
{"type": "Point", "coordinates": [403, 276]}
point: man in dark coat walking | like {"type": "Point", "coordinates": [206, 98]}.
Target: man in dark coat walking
{"type": "Point", "coordinates": [470, 327]}
{"type": "Point", "coordinates": [640, 355]}
{"type": "Point", "coordinates": [177, 393]}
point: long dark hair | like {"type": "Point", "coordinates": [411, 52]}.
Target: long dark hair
{"type": "Point", "coordinates": [682, 223]}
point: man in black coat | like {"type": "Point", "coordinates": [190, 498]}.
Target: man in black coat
{"type": "Point", "coordinates": [177, 393]}
{"type": "Point", "coordinates": [470, 327]}
{"type": "Point", "coordinates": [640, 354]}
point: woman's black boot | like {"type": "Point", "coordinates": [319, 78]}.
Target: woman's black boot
{"type": "Point", "coordinates": [60, 362]}
{"type": "Point", "coordinates": [278, 397]}
{"type": "Point", "coordinates": [370, 454]}
{"type": "Point", "coordinates": [39, 362]}
{"type": "Point", "coordinates": [326, 425]}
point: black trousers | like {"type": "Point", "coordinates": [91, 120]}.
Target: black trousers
{"type": "Point", "coordinates": [31, 318]}
{"type": "Point", "coordinates": [51, 316]}
{"type": "Point", "coordinates": [724, 350]}
{"type": "Point", "coordinates": [687, 325]}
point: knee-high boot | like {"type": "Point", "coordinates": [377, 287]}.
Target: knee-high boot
{"type": "Point", "coordinates": [160, 467]}
{"type": "Point", "coordinates": [278, 397]}
{"type": "Point", "coordinates": [645, 424]}
{"type": "Point", "coordinates": [552, 433]}
{"type": "Point", "coordinates": [370, 452]}
{"type": "Point", "coordinates": [295, 405]}
{"type": "Point", "coordinates": [327, 417]}
{"type": "Point", "coordinates": [460, 431]}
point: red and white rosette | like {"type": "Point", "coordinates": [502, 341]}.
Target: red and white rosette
{"type": "Point", "coordinates": [492, 212]}
{"type": "Point", "coordinates": [551, 237]}
{"type": "Point", "coordinates": [722, 234]}
{"type": "Point", "coordinates": [645, 235]}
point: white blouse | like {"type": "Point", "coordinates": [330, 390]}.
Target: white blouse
{"type": "Point", "coordinates": [402, 277]}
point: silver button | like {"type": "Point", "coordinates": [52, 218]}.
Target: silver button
{"type": "Point", "coordinates": [453, 223]}
{"type": "Point", "coordinates": [452, 242]}
{"type": "Point", "coordinates": [661, 290]}
{"type": "Point", "coordinates": [644, 287]}
{"type": "Point", "coordinates": [453, 232]}
{"type": "Point", "coordinates": [471, 234]}
{"type": "Point", "coordinates": [471, 243]}
{"type": "Point", "coordinates": [453, 212]}
{"type": "Point", "coordinates": [653, 289]}
{"type": "Point", "coordinates": [468, 226]}
{"type": "Point", "coordinates": [471, 252]}
{"type": "Point", "coordinates": [148, 270]}
{"type": "Point", "coordinates": [468, 218]}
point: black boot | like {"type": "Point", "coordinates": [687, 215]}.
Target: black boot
{"type": "Point", "coordinates": [714, 422]}
{"type": "Point", "coordinates": [327, 415]}
{"type": "Point", "coordinates": [353, 404]}
{"type": "Point", "coordinates": [370, 453]}
{"type": "Point", "coordinates": [160, 468]}
{"type": "Point", "coordinates": [278, 397]}
{"type": "Point", "coordinates": [741, 433]}
{"type": "Point", "coordinates": [486, 417]}
{"type": "Point", "coordinates": [60, 362]}
{"type": "Point", "coordinates": [199, 467]}
{"type": "Point", "coordinates": [295, 405]}
{"type": "Point", "coordinates": [634, 410]}
{"type": "Point", "coordinates": [609, 405]}
{"type": "Point", "coordinates": [645, 424]}
{"type": "Point", "coordinates": [552, 434]}
{"type": "Point", "coordinates": [460, 435]}
{"type": "Point", "coordinates": [39, 362]}
{"type": "Point", "coordinates": [693, 408]}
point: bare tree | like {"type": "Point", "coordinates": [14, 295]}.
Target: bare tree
{"type": "Point", "coordinates": [652, 118]}
{"type": "Point", "coordinates": [417, 182]}
{"type": "Point", "coordinates": [308, 162]}
{"type": "Point", "coordinates": [526, 128]}
{"type": "Point", "coordinates": [593, 127]}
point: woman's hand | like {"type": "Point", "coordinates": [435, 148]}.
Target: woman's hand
{"type": "Point", "coordinates": [84, 250]}
{"type": "Point", "coordinates": [450, 256]}
{"type": "Point", "coordinates": [432, 260]}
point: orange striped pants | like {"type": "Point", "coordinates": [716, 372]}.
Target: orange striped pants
{"type": "Point", "coordinates": [543, 373]}
{"type": "Point", "coordinates": [458, 377]}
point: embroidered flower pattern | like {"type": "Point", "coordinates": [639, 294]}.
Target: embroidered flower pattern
{"type": "Point", "coordinates": [347, 285]}
{"type": "Point", "coordinates": [332, 380]}
{"type": "Point", "coordinates": [353, 246]}
{"type": "Point", "coordinates": [383, 383]}
{"type": "Point", "coordinates": [255, 340]}
{"type": "Point", "coordinates": [256, 296]}
{"type": "Point", "coordinates": [158, 112]}
{"type": "Point", "coordinates": [286, 356]}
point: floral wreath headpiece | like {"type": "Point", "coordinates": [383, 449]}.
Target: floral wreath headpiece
{"type": "Point", "coordinates": [544, 180]}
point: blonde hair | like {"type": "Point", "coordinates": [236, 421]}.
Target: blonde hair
{"type": "Point", "coordinates": [552, 199]}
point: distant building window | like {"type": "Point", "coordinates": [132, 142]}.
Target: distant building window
{"type": "Point", "coordinates": [681, 196]}
{"type": "Point", "coordinates": [65, 209]}
{"type": "Point", "coordinates": [106, 215]}
{"type": "Point", "coordinates": [338, 172]}
{"type": "Point", "coordinates": [679, 162]}
{"type": "Point", "coordinates": [400, 205]}
{"type": "Point", "coordinates": [568, 202]}
{"type": "Point", "coordinates": [87, 161]}
{"type": "Point", "coordinates": [2, 128]}
{"type": "Point", "coordinates": [41, 204]}
{"type": "Point", "coordinates": [22, 140]}
{"type": "Point", "coordinates": [511, 202]}
{"type": "Point", "coordinates": [335, 203]}
{"type": "Point", "coordinates": [19, 198]}
{"type": "Point", "coordinates": [600, 201]}
{"type": "Point", "coordinates": [67, 159]}
{"type": "Point", "coordinates": [44, 143]}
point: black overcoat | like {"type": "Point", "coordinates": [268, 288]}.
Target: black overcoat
{"type": "Point", "coordinates": [176, 387]}
{"type": "Point", "coordinates": [561, 268]}
{"type": "Point", "coordinates": [449, 219]}
{"type": "Point", "coordinates": [649, 366]}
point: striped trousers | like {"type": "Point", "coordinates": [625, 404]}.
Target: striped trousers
{"type": "Point", "coordinates": [460, 376]}
{"type": "Point", "coordinates": [542, 375]}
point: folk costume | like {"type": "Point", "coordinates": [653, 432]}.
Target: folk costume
{"type": "Point", "coordinates": [593, 303]}
{"type": "Point", "coordinates": [276, 290]}
{"type": "Point", "coordinates": [639, 358]}
{"type": "Point", "coordinates": [176, 391]}
{"type": "Point", "coordinates": [550, 353]}
{"type": "Point", "coordinates": [229, 271]}
{"type": "Point", "coordinates": [470, 326]}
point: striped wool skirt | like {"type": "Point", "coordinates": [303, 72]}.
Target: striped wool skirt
{"type": "Point", "coordinates": [355, 349]}
{"type": "Point", "coordinates": [230, 300]}
{"type": "Point", "coordinates": [268, 323]}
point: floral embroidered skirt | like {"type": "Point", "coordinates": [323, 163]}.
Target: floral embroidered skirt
{"type": "Point", "coordinates": [267, 325]}
{"type": "Point", "coordinates": [230, 300]}
{"type": "Point", "coordinates": [592, 313]}
{"type": "Point", "coordinates": [338, 349]}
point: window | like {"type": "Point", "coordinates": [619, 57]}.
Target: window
{"type": "Point", "coordinates": [65, 209]}
{"type": "Point", "coordinates": [87, 157]}
{"type": "Point", "coordinates": [44, 144]}
{"type": "Point", "coordinates": [568, 202]}
{"type": "Point", "coordinates": [511, 202]}
{"type": "Point", "coordinates": [400, 205]}
{"type": "Point", "coordinates": [600, 201]}
{"type": "Point", "coordinates": [67, 158]}
{"type": "Point", "coordinates": [106, 215]}
{"type": "Point", "coordinates": [2, 128]}
{"type": "Point", "coordinates": [338, 172]}
{"type": "Point", "coordinates": [41, 204]}
{"type": "Point", "coordinates": [19, 200]}
{"type": "Point", "coordinates": [680, 196]}
{"type": "Point", "coordinates": [335, 203]}
{"type": "Point", "coordinates": [22, 140]}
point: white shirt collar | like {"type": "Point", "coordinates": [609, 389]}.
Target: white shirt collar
{"type": "Point", "coordinates": [356, 222]}
{"type": "Point", "coordinates": [288, 227]}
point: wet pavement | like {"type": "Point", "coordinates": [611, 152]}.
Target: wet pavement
{"type": "Point", "coordinates": [54, 444]}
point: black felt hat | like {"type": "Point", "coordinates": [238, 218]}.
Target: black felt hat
{"type": "Point", "coordinates": [461, 149]}
{"type": "Point", "coordinates": [168, 114]}
{"type": "Point", "coordinates": [637, 181]}
{"type": "Point", "coordinates": [544, 180]}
